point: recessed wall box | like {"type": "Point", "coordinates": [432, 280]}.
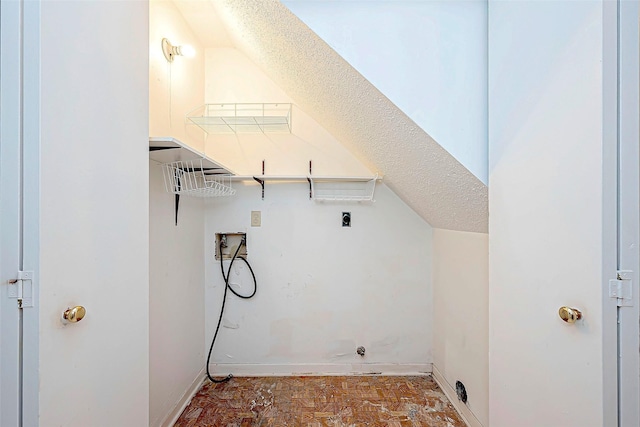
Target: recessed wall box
{"type": "Point", "coordinates": [230, 242]}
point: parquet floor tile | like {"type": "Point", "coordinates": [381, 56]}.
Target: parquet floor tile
{"type": "Point", "coordinates": [354, 401]}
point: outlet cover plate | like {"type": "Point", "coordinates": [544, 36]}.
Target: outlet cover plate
{"type": "Point", "coordinates": [256, 218]}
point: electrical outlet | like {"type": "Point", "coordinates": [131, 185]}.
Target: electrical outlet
{"type": "Point", "coordinates": [256, 218]}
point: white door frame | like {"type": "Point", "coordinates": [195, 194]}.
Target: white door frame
{"type": "Point", "coordinates": [629, 209]}
{"type": "Point", "coordinates": [610, 119]}
{"type": "Point", "coordinates": [19, 217]}
{"type": "Point", "coordinates": [10, 223]}
{"type": "Point", "coordinates": [31, 207]}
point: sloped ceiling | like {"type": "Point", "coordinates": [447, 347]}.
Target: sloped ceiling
{"type": "Point", "coordinates": [415, 167]}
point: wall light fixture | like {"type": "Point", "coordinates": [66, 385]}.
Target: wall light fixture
{"type": "Point", "coordinates": [170, 50]}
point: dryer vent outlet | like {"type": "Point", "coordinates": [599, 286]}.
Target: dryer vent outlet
{"type": "Point", "coordinates": [461, 391]}
{"type": "Point", "coordinates": [346, 219]}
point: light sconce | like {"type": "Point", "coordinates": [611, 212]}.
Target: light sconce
{"type": "Point", "coordinates": [170, 50]}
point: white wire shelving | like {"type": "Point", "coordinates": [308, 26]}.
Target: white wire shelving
{"type": "Point", "coordinates": [346, 189]}
{"type": "Point", "coordinates": [190, 173]}
{"type": "Point", "coordinates": [242, 118]}
{"type": "Point", "coordinates": [325, 188]}
{"type": "Point", "coordinates": [192, 178]}
{"type": "Point", "coordinates": [187, 171]}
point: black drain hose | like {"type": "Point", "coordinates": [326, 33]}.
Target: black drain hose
{"type": "Point", "coordinates": [224, 300]}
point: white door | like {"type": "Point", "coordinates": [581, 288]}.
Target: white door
{"type": "Point", "coordinates": [629, 212]}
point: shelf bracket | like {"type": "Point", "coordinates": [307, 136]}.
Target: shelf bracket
{"type": "Point", "coordinates": [177, 196]}
{"type": "Point", "coordinates": [261, 182]}
{"type": "Point", "coordinates": [177, 207]}
{"type": "Point", "coordinates": [309, 180]}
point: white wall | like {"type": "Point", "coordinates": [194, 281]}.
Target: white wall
{"type": "Point", "coordinates": [429, 58]}
{"type": "Point", "coordinates": [177, 87]}
{"type": "Point", "coordinates": [94, 218]}
{"type": "Point", "coordinates": [547, 235]}
{"type": "Point", "coordinates": [176, 298]}
{"type": "Point", "coordinates": [176, 294]}
{"type": "Point", "coordinates": [323, 289]}
{"type": "Point", "coordinates": [461, 318]}
{"type": "Point", "coordinates": [231, 77]}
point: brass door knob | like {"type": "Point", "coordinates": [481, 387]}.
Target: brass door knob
{"type": "Point", "coordinates": [74, 314]}
{"type": "Point", "coordinates": [569, 315]}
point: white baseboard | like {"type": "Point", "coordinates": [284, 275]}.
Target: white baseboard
{"type": "Point", "coordinates": [463, 410]}
{"type": "Point", "coordinates": [312, 369]}
{"type": "Point", "coordinates": [175, 413]}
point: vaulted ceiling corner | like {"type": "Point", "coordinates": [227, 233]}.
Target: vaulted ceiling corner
{"type": "Point", "coordinates": [422, 173]}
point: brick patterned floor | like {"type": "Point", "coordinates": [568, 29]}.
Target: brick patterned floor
{"type": "Point", "coordinates": [321, 401]}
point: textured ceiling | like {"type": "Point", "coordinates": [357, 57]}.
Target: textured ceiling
{"type": "Point", "coordinates": [415, 167]}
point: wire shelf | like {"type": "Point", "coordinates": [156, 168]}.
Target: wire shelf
{"type": "Point", "coordinates": [242, 118]}
{"type": "Point", "coordinates": [343, 190]}
{"type": "Point", "coordinates": [191, 178]}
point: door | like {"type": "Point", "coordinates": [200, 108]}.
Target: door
{"type": "Point", "coordinates": [629, 212]}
